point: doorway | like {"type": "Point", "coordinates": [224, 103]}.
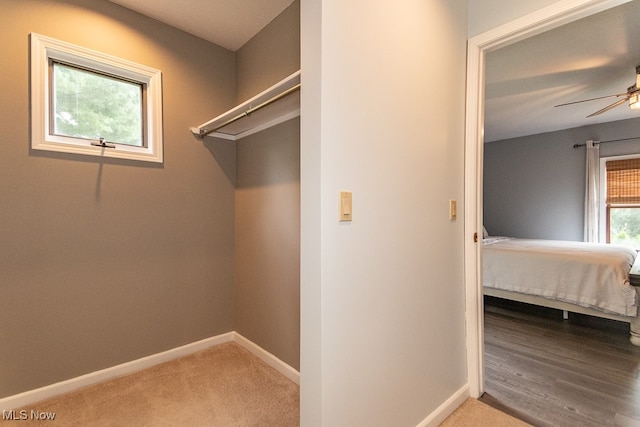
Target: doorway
{"type": "Point", "coordinates": [545, 19]}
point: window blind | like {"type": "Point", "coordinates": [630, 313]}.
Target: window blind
{"type": "Point", "coordinates": [623, 182]}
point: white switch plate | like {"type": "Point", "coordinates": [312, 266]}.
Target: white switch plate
{"type": "Point", "coordinates": [346, 213]}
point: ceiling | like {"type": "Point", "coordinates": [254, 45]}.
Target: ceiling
{"type": "Point", "coordinates": [588, 58]}
{"type": "Point", "coordinates": [227, 23]}
{"type": "Point", "coordinates": [591, 57]}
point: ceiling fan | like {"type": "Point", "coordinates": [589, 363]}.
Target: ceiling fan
{"type": "Point", "coordinates": [632, 95]}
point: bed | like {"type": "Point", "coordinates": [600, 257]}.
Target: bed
{"type": "Point", "coordinates": [579, 277]}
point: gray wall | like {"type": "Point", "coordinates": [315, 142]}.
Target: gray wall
{"type": "Point", "coordinates": [106, 261]}
{"type": "Point", "coordinates": [271, 55]}
{"type": "Point", "coordinates": [268, 240]}
{"type": "Point", "coordinates": [267, 273]}
{"type": "Point", "coordinates": [534, 185]}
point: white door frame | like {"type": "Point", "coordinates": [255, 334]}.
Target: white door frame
{"type": "Point", "coordinates": [553, 16]}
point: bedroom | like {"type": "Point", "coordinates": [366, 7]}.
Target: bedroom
{"type": "Point", "coordinates": [534, 177]}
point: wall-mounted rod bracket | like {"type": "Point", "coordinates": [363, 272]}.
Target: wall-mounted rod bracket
{"type": "Point", "coordinates": [198, 131]}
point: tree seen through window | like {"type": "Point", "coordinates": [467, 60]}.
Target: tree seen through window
{"type": "Point", "coordinates": [624, 225]}
{"type": "Point", "coordinates": [91, 105]}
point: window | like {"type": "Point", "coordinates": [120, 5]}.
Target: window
{"type": "Point", "coordinates": [622, 200]}
{"type": "Point", "coordinates": [86, 102]}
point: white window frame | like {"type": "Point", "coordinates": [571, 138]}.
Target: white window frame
{"type": "Point", "coordinates": [44, 49]}
{"type": "Point", "coordinates": [602, 196]}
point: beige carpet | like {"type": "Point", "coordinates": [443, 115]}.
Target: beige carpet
{"type": "Point", "coordinates": [222, 386]}
{"type": "Point", "coordinates": [473, 413]}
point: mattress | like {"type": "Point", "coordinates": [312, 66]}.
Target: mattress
{"type": "Point", "coordinates": [591, 275]}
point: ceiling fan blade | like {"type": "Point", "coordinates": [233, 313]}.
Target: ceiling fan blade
{"type": "Point", "coordinates": [592, 99]}
{"type": "Point", "coordinates": [609, 107]}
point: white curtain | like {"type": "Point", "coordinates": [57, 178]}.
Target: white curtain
{"type": "Point", "coordinates": [592, 191]}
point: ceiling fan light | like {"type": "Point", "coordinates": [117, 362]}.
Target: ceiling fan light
{"type": "Point", "coordinates": [634, 101]}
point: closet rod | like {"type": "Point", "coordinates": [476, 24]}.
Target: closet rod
{"type": "Point", "coordinates": [205, 132]}
{"type": "Point", "coordinates": [604, 142]}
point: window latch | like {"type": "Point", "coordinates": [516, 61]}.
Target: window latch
{"type": "Point", "coordinates": [102, 143]}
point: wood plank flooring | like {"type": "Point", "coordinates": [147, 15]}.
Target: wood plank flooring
{"type": "Point", "coordinates": [551, 372]}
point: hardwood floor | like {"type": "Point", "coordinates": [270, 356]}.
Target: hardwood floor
{"type": "Point", "coordinates": [551, 372]}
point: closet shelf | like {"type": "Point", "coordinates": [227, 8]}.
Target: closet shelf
{"type": "Point", "coordinates": [275, 105]}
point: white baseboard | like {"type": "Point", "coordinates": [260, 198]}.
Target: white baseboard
{"type": "Point", "coordinates": [439, 415]}
{"type": "Point", "coordinates": [32, 396]}
{"type": "Point", "coordinates": [268, 358]}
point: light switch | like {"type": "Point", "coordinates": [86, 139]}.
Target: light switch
{"type": "Point", "coordinates": [345, 206]}
{"type": "Point", "coordinates": [453, 210]}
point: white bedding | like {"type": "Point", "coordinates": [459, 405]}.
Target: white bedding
{"type": "Point", "coordinates": [587, 274]}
